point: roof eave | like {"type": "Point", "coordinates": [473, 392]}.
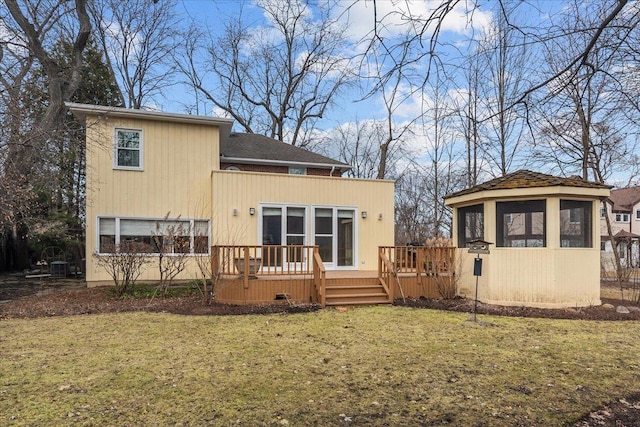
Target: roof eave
{"type": "Point", "coordinates": [243, 160]}
{"type": "Point", "coordinates": [527, 193]}
{"type": "Point", "coordinates": [83, 110]}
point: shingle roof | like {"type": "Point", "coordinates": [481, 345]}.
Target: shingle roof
{"type": "Point", "coordinates": [259, 147]}
{"type": "Point", "coordinates": [527, 179]}
{"type": "Point", "coordinates": [623, 199]}
{"type": "Point", "coordinates": [624, 234]}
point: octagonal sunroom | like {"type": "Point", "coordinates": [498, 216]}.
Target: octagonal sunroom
{"type": "Point", "coordinates": [545, 235]}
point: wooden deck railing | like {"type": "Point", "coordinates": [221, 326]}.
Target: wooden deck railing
{"type": "Point", "coordinates": [263, 260]}
{"type": "Point", "coordinates": [250, 261]}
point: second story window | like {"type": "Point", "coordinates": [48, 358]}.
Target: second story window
{"type": "Point", "coordinates": [297, 171]}
{"type": "Point", "coordinates": [128, 149]}
{"type": "Point", "coordinates": [622, 217]}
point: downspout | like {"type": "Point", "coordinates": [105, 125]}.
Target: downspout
{"type": "Point", "coordinates": [333, 168]}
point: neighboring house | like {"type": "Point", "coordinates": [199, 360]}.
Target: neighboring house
{"type": "Point", "coordinates": [623, 210]}
{"type": "Point", "coordinates": [223, 188]}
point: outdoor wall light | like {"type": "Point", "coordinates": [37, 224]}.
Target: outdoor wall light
{"type": "Point", "coordinates": [235, 212]}
{"type": "Point", "coordinates": [252, 211]}
{"type": "Point", "coordinates": [379, 217]}
{"type": "Point", "coordinates": [364, 214]}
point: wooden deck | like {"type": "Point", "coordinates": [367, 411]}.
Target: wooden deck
{"type": "Point", "coordinates": [402, 271]}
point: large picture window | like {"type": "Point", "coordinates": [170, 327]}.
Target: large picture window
{"type": "Point", "coordinates": [470, 224]}
{"type": "Point", "coordinates": [168, 236]}
{"type": "Point", "coordinates": [128, 149]}
{"type": "Point", "coordinates": [575, 224]}
{"type": "Point", "coordinates": [521, 224]}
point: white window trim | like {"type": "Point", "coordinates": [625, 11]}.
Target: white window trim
{"type": "Point", "coordinates": [334, 265]}
{"type": "Point", "coordinates": [115, 150]}
{"type": "Point", "coordinates": [637, 214]}
{"type": "Point", "coordinates": [117, 232]}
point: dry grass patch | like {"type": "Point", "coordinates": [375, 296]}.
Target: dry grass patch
{"type": "Point", "coordinates": [367, 366]}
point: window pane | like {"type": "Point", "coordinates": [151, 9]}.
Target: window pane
{"type": "Point", "coordinates": [295, 221]}
{"type": "Point", "coordinates": [271, 226]}
{"type": "Point", "coordinates": [201, 228]}
{"type": "Point", "coordinates": [107, 226]}
{"type": "Point", "coordinates": [521, 224]}
{"type": "Point", "coordinates": [345, 237]}
{"type": "Point", "coordinates": [295, 254]}
{"type": "Point", "coordinates": [575, 224]}
{"type": "Point", "coordinates": [107, 244]}
{"type": "Point", "coordinates": [128, 139]}
{"type": "Point", "coordinates": [201, 244]}
{"type": "Point", "coordinates": [324, 221]}
{"type": "Point", "coordinates": [326, 251]}
{"type": "Point", "coordinates": [470, 224]}
{"type": "Point", "coordinates": [130, 158]}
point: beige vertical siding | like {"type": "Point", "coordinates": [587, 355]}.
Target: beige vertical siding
{"type": "Point", "coordinates": [177, 160]}
{"type": "Point", "coordinates": [244, 190]}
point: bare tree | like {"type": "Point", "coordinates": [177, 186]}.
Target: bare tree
{"type": "Point", "coordinates": [36, 25]}
{"type": "Point", "coordinates": [503, 56]}
{"type": "Point", "coordinates": [277, 80]}
{"type": "Point", "coordinates": [124, 263]}
{"type": "Point", "coordinates": [172, 242]}
{"type": "Point", "coordinates": [138, 37]}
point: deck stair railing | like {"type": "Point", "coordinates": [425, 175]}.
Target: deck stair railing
{"type": "Point", "coordinates": [319, 278]}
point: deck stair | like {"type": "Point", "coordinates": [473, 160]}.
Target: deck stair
{"type": "Point", "coordinates": [367, 291]}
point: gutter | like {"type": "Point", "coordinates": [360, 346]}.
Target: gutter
{"type": "Point", "coordinates": [248, 161]}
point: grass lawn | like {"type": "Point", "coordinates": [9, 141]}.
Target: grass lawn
{"type": "Point", "coordinates": [386, 366]}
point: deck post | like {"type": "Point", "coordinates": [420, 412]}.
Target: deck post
{"type": "Point", "coordinates": [419, 263]}
{"type": "Point", "coordinates": [215, 262]}
{"type": "Point", "coordinates": [245, 260]}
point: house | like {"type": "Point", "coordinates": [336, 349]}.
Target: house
{"type": "Point", "coordinates": [545, 241]}
{"type": "Point", "coordinates": [247, 192]}
{"type": "Point", "coordinates": [623, 211]}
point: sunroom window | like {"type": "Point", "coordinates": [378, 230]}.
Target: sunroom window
{"type": "Point", "coordinates": [575, 224]}
{"type": "Point", "coordinates": [521, 224]}
{"type": "Point", "coordinates": [470, 224]}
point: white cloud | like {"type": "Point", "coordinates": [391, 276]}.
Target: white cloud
{"type": "Point", "coordinates": [396, 17]}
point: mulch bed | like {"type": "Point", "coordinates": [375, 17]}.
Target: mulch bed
{"type": "Point", "coordinates": [600, 312]}
{"type": "Point", "coordinates": [101, 300]}
{"type": "Point", "coordinates": [619, 413]}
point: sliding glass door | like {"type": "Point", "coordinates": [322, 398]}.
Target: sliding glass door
{"type": "Point", "coordinates": [332, 229]}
